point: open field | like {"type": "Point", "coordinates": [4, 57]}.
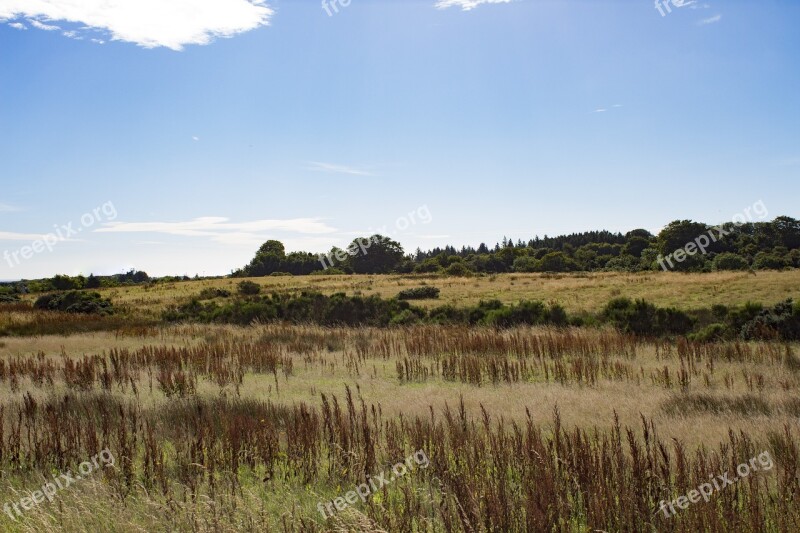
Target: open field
{"type": "Point", "coordinates": [576, 292]}
{"type": "Point", "coordinates": [219, 428]}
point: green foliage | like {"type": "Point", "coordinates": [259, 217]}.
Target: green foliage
{"type": "Point", "coordinates": [730, 261]}
{"type": "Point", "coordinates": [75, 302]}
{"type": "Point", "coordinates": [779, 322]}
{"type": "Point", "coordinates": [210, 293]}
{"type": "Point", "coordinates": [376, 255]}
{"type": "Point", "coordinates": [710, 333]}
{"type": "Point", "coordinates": [769, 261]}
{"type": "Point", "coordinates": [774, 245]}
{"type": "Point", "coordinates": [527, 313]}
{"type": "Point", "coordinates": [248, 288]}
{"type": "Point", "coordinates": [458, 269]}
{"type": "Point", "coordinates": [311, 308]}
{"type": "Point", "coordinates": [419, 293]}
{"type": "Point", "coordinates": [645, 319]}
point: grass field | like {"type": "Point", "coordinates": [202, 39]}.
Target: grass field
{"type": "Point", "coordinates": [576, 292]}
{"type": "Point", "coordinates": [222, 428]}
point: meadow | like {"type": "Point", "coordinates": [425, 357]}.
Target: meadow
{"type": "Point", "coordinates": [226, 428]}
{"type": "Point", "coordinates": [576, 292]}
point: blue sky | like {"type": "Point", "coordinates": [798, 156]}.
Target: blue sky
{"type": "Point", "coordinates": [213, 125]}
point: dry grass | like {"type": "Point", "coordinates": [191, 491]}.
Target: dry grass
{"type": "Point", "coordinates": [576, 292]}
{"type": "Point", "coordinates": [236, 429]}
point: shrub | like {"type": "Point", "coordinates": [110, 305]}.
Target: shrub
{"type": "Point", "coordinates": [780, 322]}
{"type": "Point", "coordinates": [429, 266]}
{"type": "Point", "coordinates": [332, 271]}
{"type": "Point", "coordinates": [210, 293]}
{"type": "Point", "coordinates": [645, 319]}
{"type": "Point", "coordinates": [710, 333]}
{"type": "Point", "coordinates": [249, 288]}
{"type": "Point", "coordinates": [75, 302]}
{"type": "Point", "coordinates": [419, 293]}
{"type": "Point", "coordinates": [765, 261]}
{"type": "Point", "coordinates": [527, 313]}
{"type": "Point", "coordinates": [404, 318]}
{"type": "Point", "coordinates": [458, 269]}
{"type": "Point", "coordinates": [449, 314]}
{"type": "Point", "coordinates": [729, 261]}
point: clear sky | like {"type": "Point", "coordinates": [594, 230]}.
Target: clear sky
{"type": "Point", "coordinates": [190, 131]}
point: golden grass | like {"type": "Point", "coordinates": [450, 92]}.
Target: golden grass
{"type": "Point", "coordinates": [576, 292]}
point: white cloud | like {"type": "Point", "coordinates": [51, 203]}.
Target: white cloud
{"type": "Point", "coordinates": [18, 26]}
{"type": "Point", "coordinates": [219, 229]}
{"type": "Point", "coordinates": [337, 169]}
{"type": "Point", "coordinates": [11, 236]}
{"type": "Point", "coordinates": [467, 5]}
{"type": "Point", "coordinates": [148, 23]}
{"type": "Point", "coordinates": [41, 26]}
{"type": "Point", "coordinates": [710, 20]}
{"type": "Point", "coordinates": [601, 110]}
{"type": "Point", "coordinates": [195, 138]}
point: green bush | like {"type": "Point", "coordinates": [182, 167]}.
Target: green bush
{"type": "Point", "coordinates": [765, 261]}
{"type": "Point", "coordinates": [710, 333]}
{"type": "Point", "coordinates": [419, 293]}
{"type": "Point", "coordinates": [780, 322]}
{"type": "Point", "coordinates": [75, 302]}
{"type": "Point", "coordinates": [729, 261]}
{"type": "Point", "coordinates": [645, 319]}
{"type": "Point", "coordinates": [527, 313]}
{"type": "Point", "coordinates": [458, 269]}
{"type": "Point", "coordinates": [248, 288]}
{"type": "Point", "coordinates": [210, 293]}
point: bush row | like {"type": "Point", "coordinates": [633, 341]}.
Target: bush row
{"type": "Point", "coordinates": [641, 318]}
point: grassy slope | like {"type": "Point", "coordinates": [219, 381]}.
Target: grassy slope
{"type": "Point", "coordinates": [576, 292]}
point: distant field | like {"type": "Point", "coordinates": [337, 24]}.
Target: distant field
{"type": "Point", "coordinates": [576, 292]}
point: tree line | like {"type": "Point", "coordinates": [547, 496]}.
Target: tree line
{"type": "Point", "coordinates": [746, 246]}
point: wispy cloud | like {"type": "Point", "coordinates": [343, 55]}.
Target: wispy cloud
{"type": "Point", "coordinates": [5, 208]}
{"type": "Point", "coordinates": [337, 169]}
{"type": "Point", "coordinates": [220, 229]}
{"type": "Point", "coordinates": [41, 26]}
{"type": "Point", "coordinates": [18, 26]}
{"type": "Point", "coordinates": [604, 109]}
{"type": "Point", "coordinates": [12, 236]}
{"type": "Point", "coordinates": [467, 5]}
{"type": "Point", "coordinates": [148, 23]}
{"type": "Point", "coordinates": [710, 20]}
